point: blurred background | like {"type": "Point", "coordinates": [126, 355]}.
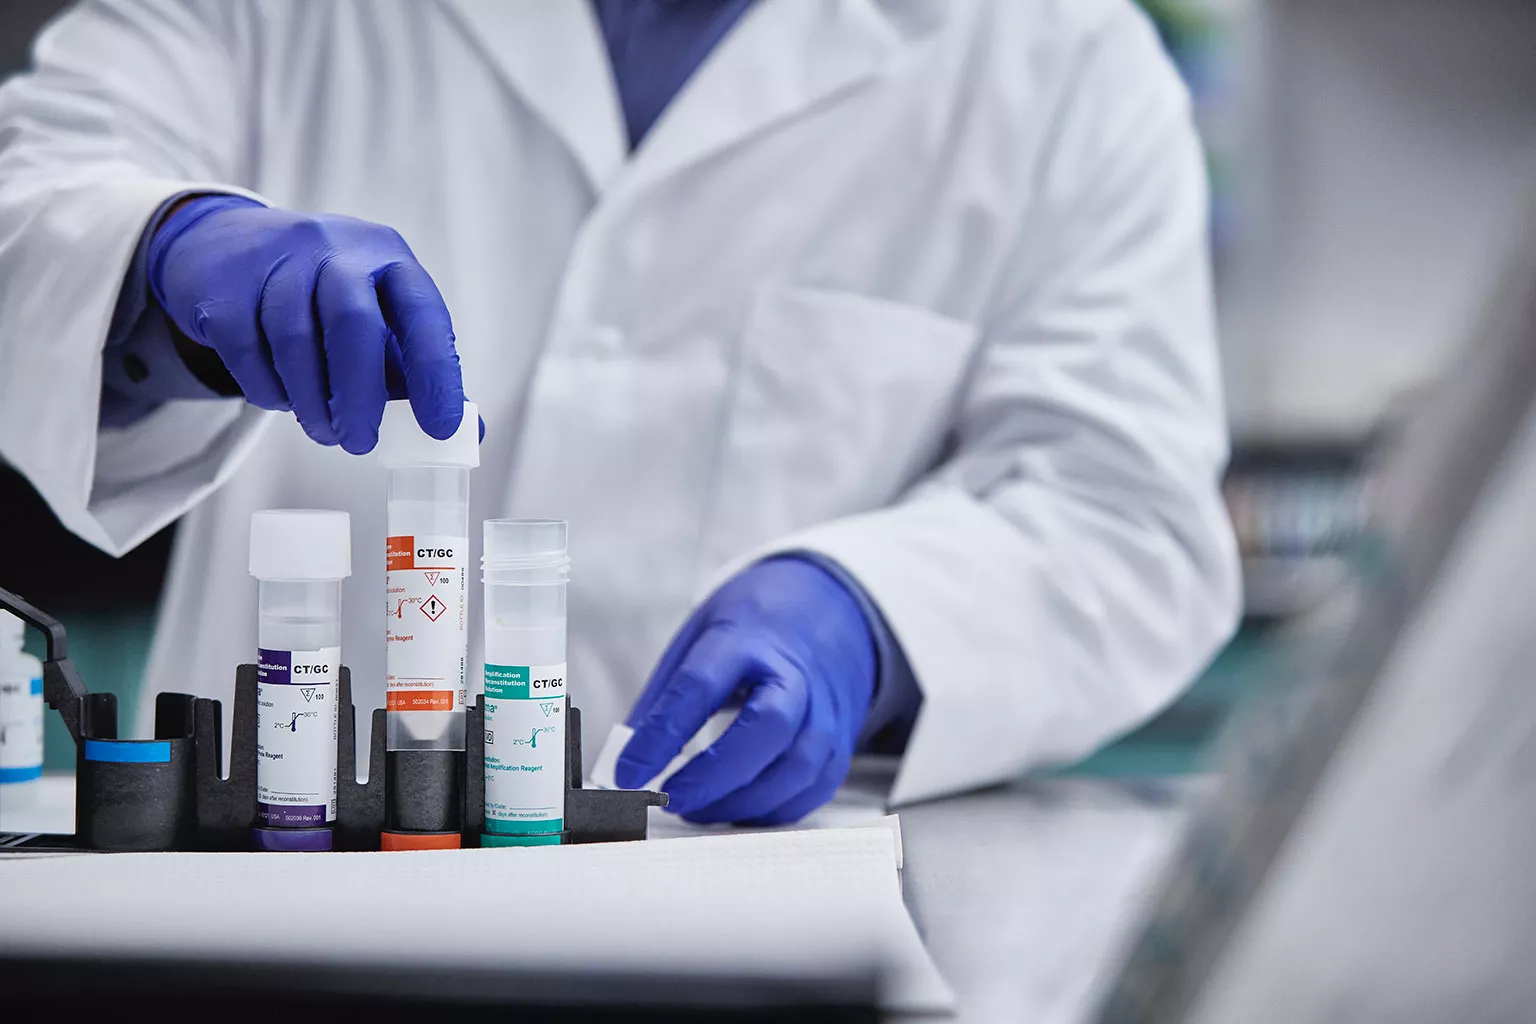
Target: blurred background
{"type": "Point", "coordinates": [1370, 161]}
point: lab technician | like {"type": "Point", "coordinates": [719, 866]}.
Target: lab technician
{"type": "Point", "coordinates": [866, 345]}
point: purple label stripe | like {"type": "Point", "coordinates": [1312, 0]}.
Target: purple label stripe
{"type": "Point", "coordinates": [274, 666]}
{"type": "Point", "coordinates": [295, 841]}
{"type": "Point", "coordinates": [291, 815]}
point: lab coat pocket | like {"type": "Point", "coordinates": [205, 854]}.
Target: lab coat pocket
{"type": "Point", "coordinates": [839, 402]}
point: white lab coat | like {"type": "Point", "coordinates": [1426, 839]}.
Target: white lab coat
{"type": "Point", "coordinates": [921, 286]}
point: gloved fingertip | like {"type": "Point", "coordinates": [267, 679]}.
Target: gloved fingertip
{"type": "Point", "coordinates": [321, 436]}
{"type": "Point", "coordinates": [632, 774]}
{"type": "Point", "coordinates": [443, 421]}
{"type": "Point", "coordinates": [684, 806]}
{"type": "Point", "coordinates": [482, 429]}
{"type": "Point", "coordinates": [360, 446]}
{"type": "Point", "coordinates": [693, 806]}
{"type": "Point", "coordinates": [268, 404]}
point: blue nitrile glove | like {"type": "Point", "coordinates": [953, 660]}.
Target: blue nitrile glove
{"type": "Point", "coordinates": [790, 636]}
{"type": "Point", "coordinates": [327, 316]}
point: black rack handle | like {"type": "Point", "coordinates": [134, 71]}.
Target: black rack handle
{"type": "Point", "coordinates": [62, 687]}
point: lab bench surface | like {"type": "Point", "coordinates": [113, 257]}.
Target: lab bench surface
{"type": "Point", "coordinates": [1026, 894]}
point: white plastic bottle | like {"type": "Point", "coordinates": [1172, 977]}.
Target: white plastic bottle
{"type": "Point", "coordinates": [525, 568]}
{"type": "Point", "coordinates": [21, 716]}
{"type": "Point", "coordinates": [299, 557]}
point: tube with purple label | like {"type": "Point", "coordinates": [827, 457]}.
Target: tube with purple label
{"type": "Point", "coordinates": [299, 557]}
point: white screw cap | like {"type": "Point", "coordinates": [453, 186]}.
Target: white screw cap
{"type": "Point", "coordinates": [301, 544]}
{"type": "Point", "coordinates": [402, 442]}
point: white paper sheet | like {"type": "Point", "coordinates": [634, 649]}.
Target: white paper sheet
{"type": "Point", "coordinates": [800, 903]}
{"type": "Point", "coordinates": [844, 811]}
{"type": "Point", "coordinates": [603, 767]}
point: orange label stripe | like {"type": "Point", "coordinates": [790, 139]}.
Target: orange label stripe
{"type": "Point", "coordinates": [419, 700]}
{"type": "Point", "coordinates": [399, 553]}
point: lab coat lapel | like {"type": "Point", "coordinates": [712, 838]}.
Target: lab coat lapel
{"type": "Point", "coordinates": [784, 58]}
{"type": "Point", "coordinates": [552, 53]}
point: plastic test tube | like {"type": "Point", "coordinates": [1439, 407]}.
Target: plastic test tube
{"type": "Point", "coordinates": [525, 569]}
{"type": "Point", "coordinates": [426, 586]}
{"type": "Point", "coordinates": [299, 557]}
{"type": "Point", "coordinates": [21, 716]}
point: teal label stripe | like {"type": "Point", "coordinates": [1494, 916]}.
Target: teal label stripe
{"type": "Point", "coordinates": [490, 840]}
{"type": "Point", "coordinates": [523, 828]}
{"type": "Point", "coordinates": [506, 682]}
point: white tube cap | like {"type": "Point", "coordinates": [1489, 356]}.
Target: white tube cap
{"type": "Point", "coordinates": [12, 629]}
{"type": "Point", "coordinates": [524, 542]}
{"type": "Point", "coordinates": [402, 442]}
{"type": "Point", "coordinates": [301, 544]}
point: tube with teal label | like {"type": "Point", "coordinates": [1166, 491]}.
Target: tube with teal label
{"type": "Point", "coordinates": [525, 569]}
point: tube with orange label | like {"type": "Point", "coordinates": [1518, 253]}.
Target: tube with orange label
{"type": "Point", "coordinates": [426, 615]}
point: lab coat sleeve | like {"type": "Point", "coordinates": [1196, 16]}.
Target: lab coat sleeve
{"type": "Point", "coordinates": [1071, 567]}
{"type": "Point", "coordinates": [142, 368]}
{"type": "Point", "coordinates": [129, 103]}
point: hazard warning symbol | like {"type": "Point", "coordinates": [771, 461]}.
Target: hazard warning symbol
{"type": "Point", "coordinates": [432, 608]}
